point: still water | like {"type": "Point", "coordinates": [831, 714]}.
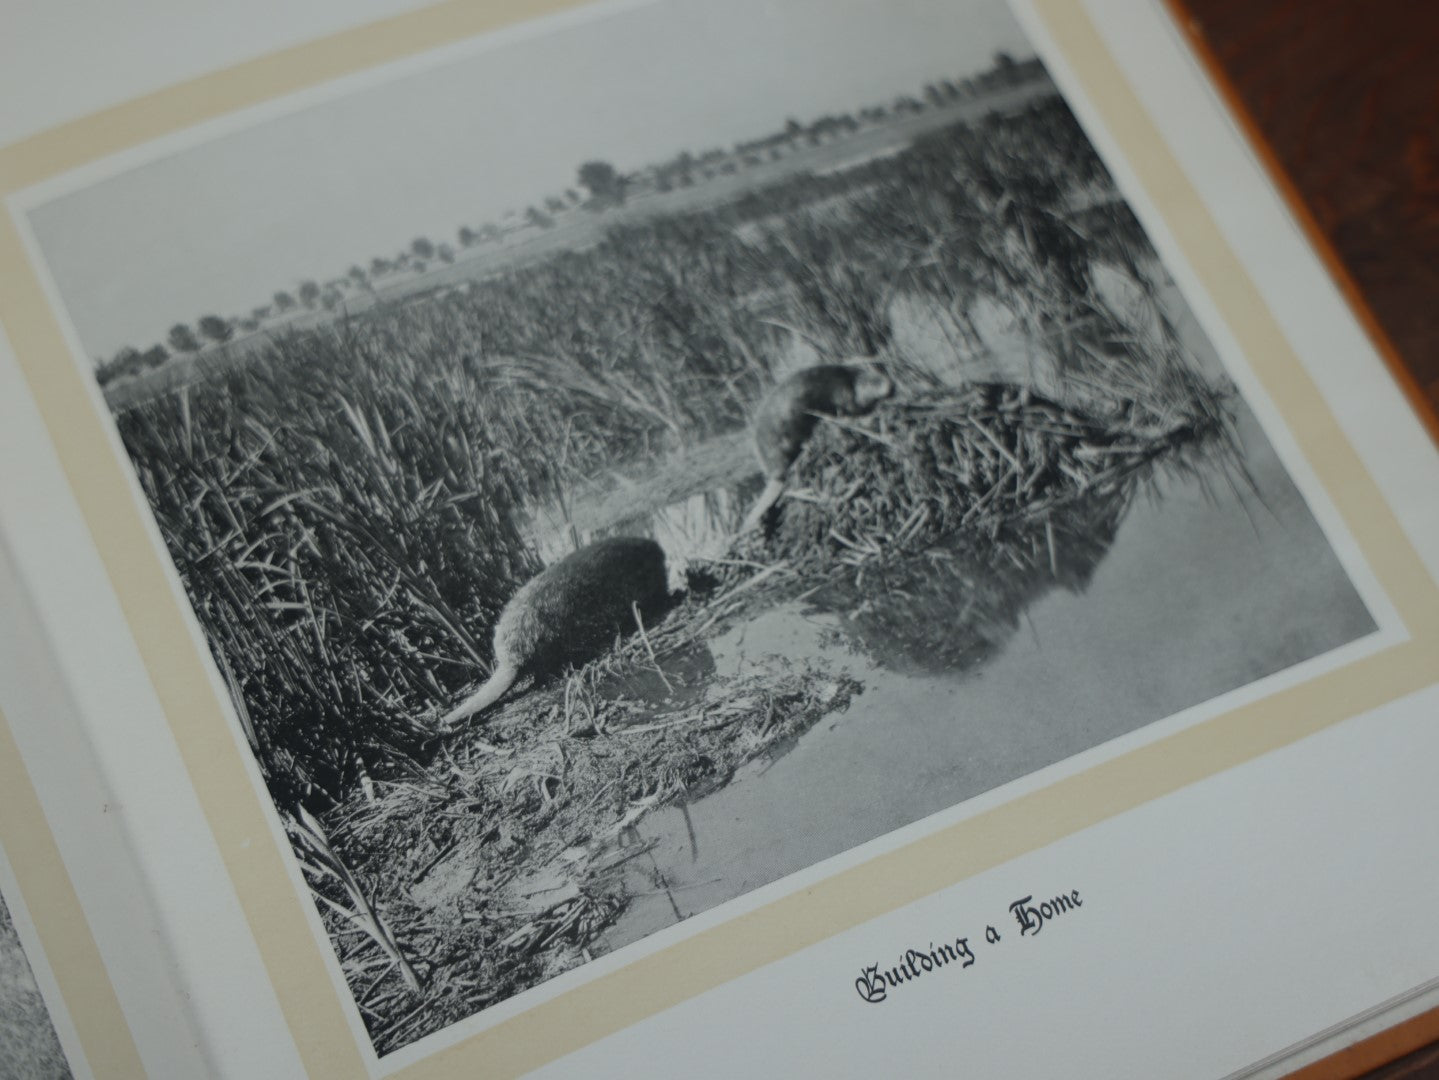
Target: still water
{"type": "Point", "coordinates": [1147, 609]}
{"type": "Point", "coordinates": [977, 672]}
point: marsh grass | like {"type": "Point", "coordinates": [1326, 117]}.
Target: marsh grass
{"type": "Point", "coordinates": [979, 460]}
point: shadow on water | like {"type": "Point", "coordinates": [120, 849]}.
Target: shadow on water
{"type": "Point", "coordinates": [952, 607]}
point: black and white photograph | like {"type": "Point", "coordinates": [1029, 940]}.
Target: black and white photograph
{"type": "Point", "coordinates": [637, 458]}
{"type": "Point", "coordinates": [29, 1047]}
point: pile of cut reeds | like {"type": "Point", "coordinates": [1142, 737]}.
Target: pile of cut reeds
{"type": "Point", "coordinates": [971, 460]}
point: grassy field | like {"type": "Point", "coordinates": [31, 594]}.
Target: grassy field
{"type": "Point", "coordinates": [350, 508]}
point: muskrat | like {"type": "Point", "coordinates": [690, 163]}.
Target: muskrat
{"type": "Point", "coordinates": [788, 414]}
{"type": "Point", "coordinates": [570, 612]}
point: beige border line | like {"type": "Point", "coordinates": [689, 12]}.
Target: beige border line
{"type": "Point", "coordinates": [176, 667]}
{"type": "Point", "coordinates": [60, 923]}
{"type": "Point", "coordinates": [252, 82]}
{"type": "Point", "coordinates": [235, 809]}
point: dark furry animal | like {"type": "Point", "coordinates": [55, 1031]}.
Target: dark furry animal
{"type": "Point", "coordinates": [786, 418]}
{"type": "Point", "coordinates": [570, 612]}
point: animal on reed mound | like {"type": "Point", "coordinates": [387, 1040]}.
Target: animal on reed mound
{"type": "Point", "coordinates": [788, 414]}
{"type": "Point", "coordinates": [570, 612]}
{"type": "Point", "coordinates": [975, 459]}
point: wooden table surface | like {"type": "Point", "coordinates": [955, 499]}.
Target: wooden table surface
{"type": "Point", "coordinates": [1342, 98]}
{"type": "Point", "coordinates": [1345, 95]}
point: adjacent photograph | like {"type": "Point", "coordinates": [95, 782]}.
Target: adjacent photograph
{"type": "Point", "coordinates": [29, 1046]}
{"type": "Point", "coordinates": [650, 452]}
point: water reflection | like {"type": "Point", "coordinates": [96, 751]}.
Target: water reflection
{"type": "Point", "coordinates": [954, 605]}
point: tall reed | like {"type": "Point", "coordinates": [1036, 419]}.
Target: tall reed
{"type": "Point", "coordinates": [348, 508]}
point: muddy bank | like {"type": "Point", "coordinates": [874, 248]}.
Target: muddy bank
{"type": "Point", "coordinates": [504, 860]}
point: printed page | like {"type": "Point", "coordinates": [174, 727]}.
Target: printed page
{"type": "Point", "coordinates": [81, 912]}
{"type": "Point", "coordinates": [736, 534]}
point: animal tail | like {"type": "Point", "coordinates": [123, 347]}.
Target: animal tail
{"type": "Point", "coordinates": [767, 498]}
{"type": "Point", "coordinates": [500, 680]}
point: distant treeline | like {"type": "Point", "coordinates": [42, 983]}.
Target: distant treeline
{"type": "Point", "coordinates": [599, 187]}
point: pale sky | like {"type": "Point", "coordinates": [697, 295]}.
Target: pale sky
{"type": "Point", "coordinates": [218, 228]}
